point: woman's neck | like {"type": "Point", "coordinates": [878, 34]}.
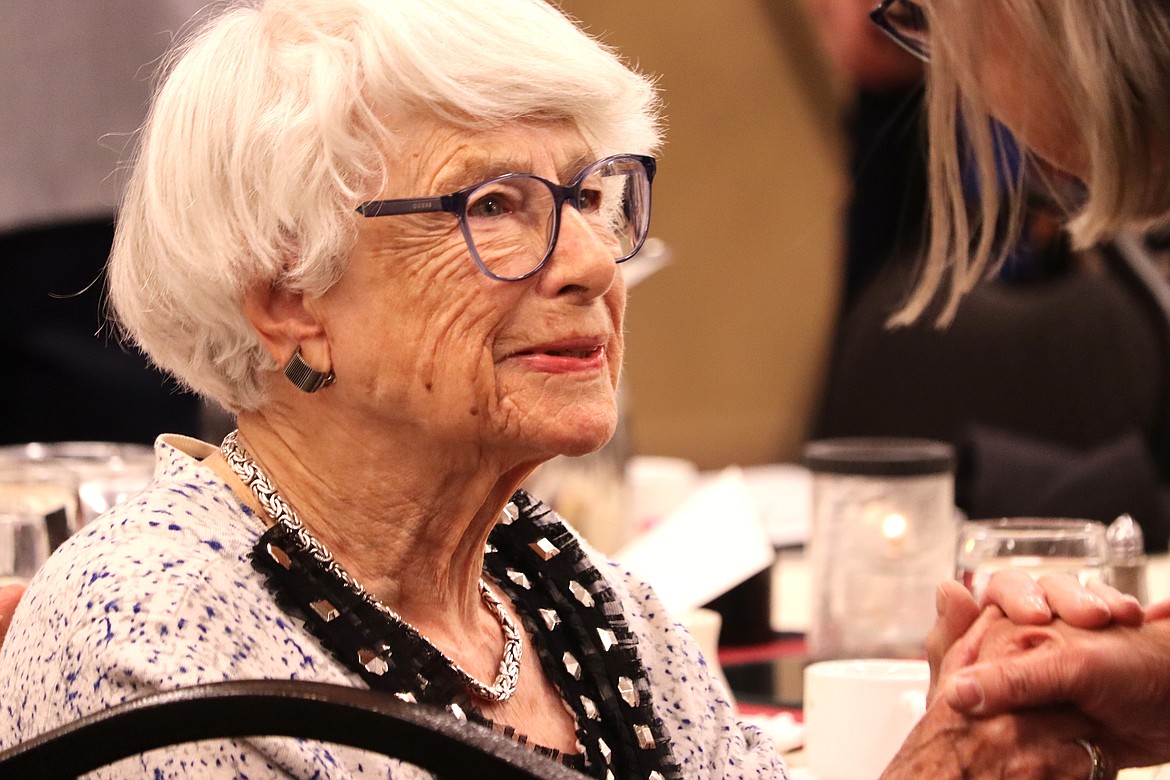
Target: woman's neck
{"type": "Point", "coordinates": [406, 521]}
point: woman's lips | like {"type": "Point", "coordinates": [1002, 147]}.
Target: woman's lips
{"type": "Point", "coordinates": [564, 357]}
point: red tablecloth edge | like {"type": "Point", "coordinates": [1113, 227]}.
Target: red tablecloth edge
{"type": "Point", "coordinates": [783, 646]}
{"type": "Point", "coordinates": [750, 708]}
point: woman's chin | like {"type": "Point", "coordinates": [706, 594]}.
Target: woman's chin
{"type": "Point", "coordinates": [579, 449]}
{"type": "Point", "coordinates": [583, 439]}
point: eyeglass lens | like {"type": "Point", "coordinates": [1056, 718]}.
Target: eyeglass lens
{"type": "Point", "coordinates": [909, 21]}
{"type": "Point", "coordinates": [511, 220]}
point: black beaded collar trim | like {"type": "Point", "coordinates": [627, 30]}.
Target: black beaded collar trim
{"type": "Point", "coordinates": [282, 514]}
{"type": "Point", "coordinates": [583, 641]}
{"type": "Point", "coordinates": [389, 655]}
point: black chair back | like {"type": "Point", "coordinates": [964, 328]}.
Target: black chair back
{"type": "Point", "coordinates": [428, 738]}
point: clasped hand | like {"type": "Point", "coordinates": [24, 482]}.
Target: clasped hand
{"type": "Point", "coordinates": [1056, 643]}
{"type": "Point", "coordinates": [1025, 680]}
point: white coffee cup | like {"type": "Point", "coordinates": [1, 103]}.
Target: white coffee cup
{"type": "Point", "coordinates": [858, 712]}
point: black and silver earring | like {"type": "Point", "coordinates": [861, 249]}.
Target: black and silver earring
{"type": "Point", "coordinates": [304, 376]}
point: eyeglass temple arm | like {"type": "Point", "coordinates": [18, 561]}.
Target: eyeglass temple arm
{"type": "Point", "coordinates": [394, 207]}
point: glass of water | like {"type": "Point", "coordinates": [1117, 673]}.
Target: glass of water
{"type": "Point", "coordinates": [1036, 545]}
{"type": "Point", "coordinates": [48, 490]}
{"type": "Point", "coordinates": [106, 473]}
{"type": "Point", "coordinates": [24, 543]}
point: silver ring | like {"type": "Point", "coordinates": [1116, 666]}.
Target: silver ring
{"type": "Point", "coordinates": [1100, 768]}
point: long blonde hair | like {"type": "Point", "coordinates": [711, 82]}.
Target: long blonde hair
{"type": "Point", "coordinates": [1109, 62]}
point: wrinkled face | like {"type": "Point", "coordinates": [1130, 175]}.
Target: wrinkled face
{"type": "Point", "coordinates": [426, 346]}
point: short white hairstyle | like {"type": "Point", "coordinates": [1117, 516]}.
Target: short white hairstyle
{"type": "Point", "coordinates": [270, 125]}
{"type": "Point", "coordinates": [1110, 62]}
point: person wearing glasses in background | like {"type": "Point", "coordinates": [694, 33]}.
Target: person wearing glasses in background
{"type": "Point", "coordinates": [1084, 88]}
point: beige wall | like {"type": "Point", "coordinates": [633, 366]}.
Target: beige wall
{"type": "Point", "coordinates": [726, 346]}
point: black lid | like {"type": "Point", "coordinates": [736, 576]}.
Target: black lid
{"type": "Point", "coordinates": [880, 457]}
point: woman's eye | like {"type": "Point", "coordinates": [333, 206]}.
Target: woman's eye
{"type": "Point", "coordinates": [492, 204]}
{"type": "Point", "coordinates": [588, 200]}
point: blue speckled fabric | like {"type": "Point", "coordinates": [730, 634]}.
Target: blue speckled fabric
{"type": "Point", "coordinates": [159, 593]}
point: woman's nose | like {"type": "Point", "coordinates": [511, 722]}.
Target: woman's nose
{"type": "Point", "coordinates": [583, 261]}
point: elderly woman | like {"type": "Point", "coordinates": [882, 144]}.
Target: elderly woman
{"type": "Point", "coordinates": [386, 234]}
{"type": "Point", "coordinates": [388, 241]}
{"type": "Point", "coordinates": [1084, 88]}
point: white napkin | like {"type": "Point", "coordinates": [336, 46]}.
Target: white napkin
{"type": "Point", "coordinates": [783, 492]}
{"type": "Point", "coordinates": [710, 544]}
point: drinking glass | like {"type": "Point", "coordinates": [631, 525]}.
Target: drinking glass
{"type": "Point", "coordinates": [1036, 545]}
{"type": "Point", "coordinates": [47, 490]}
{"type": "Point", "coordinates": [106, 472]}
{"type": "Point", "coordinates": [24, 543]}
{"type": "Point", "coordinates": [883, 535]}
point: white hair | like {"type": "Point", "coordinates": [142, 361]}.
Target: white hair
{"type": "Point", "coordinates": [269, 127]}
{"type": "Point", "coordinates": [1110, 62]}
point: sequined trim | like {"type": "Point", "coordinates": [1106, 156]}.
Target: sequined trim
{"type": "Point", "coordinates": [576, 625]}
{"type": "Point", "coordinates": [616, 725]}
{"type": "Point", "coordinates": [283, 515]}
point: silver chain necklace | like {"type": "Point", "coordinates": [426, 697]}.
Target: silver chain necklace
{"type": "Point", "coordinates": [281, 513]}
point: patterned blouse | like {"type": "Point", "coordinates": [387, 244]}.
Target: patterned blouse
{"type": "Point", "coordinates": [179, 587]}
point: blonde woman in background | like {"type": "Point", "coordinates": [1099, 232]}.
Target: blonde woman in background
{"type": "Point", "coordinates": [1084, 87]}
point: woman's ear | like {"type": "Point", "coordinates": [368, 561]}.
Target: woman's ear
{"type": "Point", "coordinates": [286, 321]}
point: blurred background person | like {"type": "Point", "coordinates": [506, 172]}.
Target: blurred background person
{"type": "Point", "coordinates": [1082, 88]}
{"type": "Point", "coordinates": [881, 95]}
{"type": "Point", "coordinates": [1051, 379]}
{"type": "Point", "coordinates": [75, 85]}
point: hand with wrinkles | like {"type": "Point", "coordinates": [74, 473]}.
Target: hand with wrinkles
{"type": "Point", "coordinates": [1117, 676]}
{"type": "Point", "coordinates": [1040, 744]}
{"type": "Point", "coordinates": [1058, 642]}
{"type": "Point", "coordinates": [1027, 602]}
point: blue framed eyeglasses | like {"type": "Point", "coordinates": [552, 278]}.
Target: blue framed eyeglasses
{"type": "Point", "coordinates": [905, 22]}
{"type": "Point", "coordinates": [511, 222]}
